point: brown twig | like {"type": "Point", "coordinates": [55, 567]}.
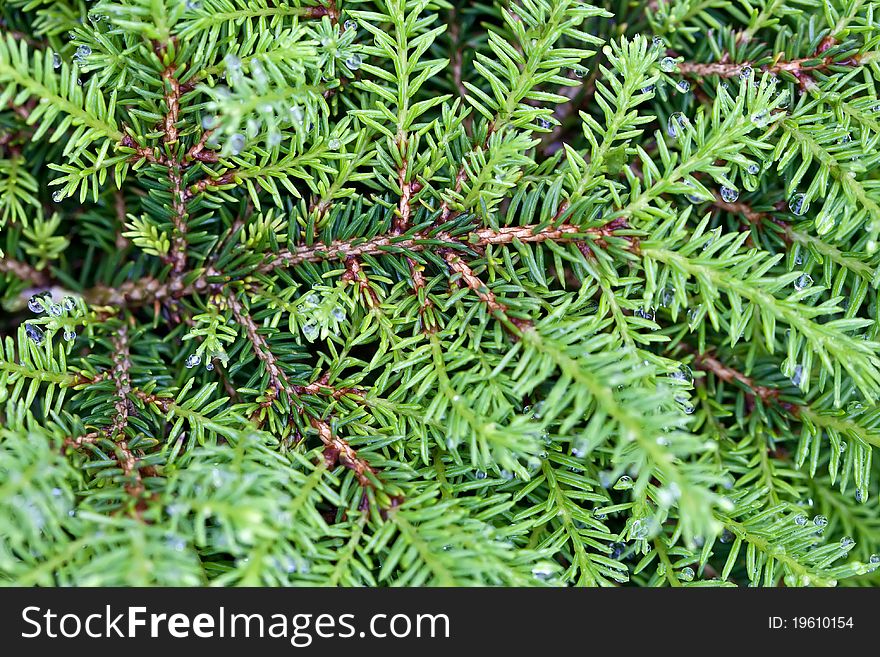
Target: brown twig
{"type": "Point", "coordinates": [126, 457]}
{"type": "Point", "coordinates": [164, 404]}
{"type": "Point", "coordinates": [277, 378]}
{"type": "Point", "coordinates": [122, 242]}
{"type": "Point", "coordinates": [199, 150]}
{"type": "Point", "coordinates": [145, 291]}
{"type": "Point", "coordinates": [461, 176]}
{"type": "Point", "coordinates": [86, 439]}
{"type": "Point", "coordinates": [354, 273]}
{"type": "Point", "coordinates": [149, 290]}
{"type": "Point", "coordinates": [752, 216]}
{"type": "Point", "coordinates": [801, 68]}
{"type": "Point", "coordinates": [710, 363]}
{"type": "Point", "coordinates": [472, 281]}
{"type": "Point", "coordinates": [204, 184]}
{"type": "Point", "coordinates": [337, 450]}
{"type": "Point", "coordinates": [24, 272]}
{"type": "Point", "coordinates": [121, 365]}
{"type": "Point", "coordinates": [341, 250]}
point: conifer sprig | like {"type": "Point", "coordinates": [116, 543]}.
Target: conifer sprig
{"type": "Point", "coordinates": [421, 292]}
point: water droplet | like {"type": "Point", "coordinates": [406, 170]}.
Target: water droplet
{"type": "Point", "coordinates": [333, 144]}
{"type": "Point", "coordinates": [544, 123]}
{"type": "Point", "coordinates": [798, 204]}
{"type": "Point", "coordinates": [820, 521]}
{"type": "Point", "coordinates": [847, 542]}
{"type": "Point", "coordinates": [208, 121]}
{"type": "Point", "coordinates": [648, 89]}
{"type": "Point", "coordinates": [753, 169]}
{"type": "Point", "coordinates": [543, 571]}
{"type": "Point", "coordinates": [536, 412]}
{"type": "Point", "coordinates": [338, 314]}
{"type": "Point", "coordinates": [726, 536]}
{"type": "Point", "coordinates": [624, 483]}
{"type": "Point", "coordinates": [354, 62]}
{"type": "Point", "coordinates": [657, 42]}
{"type": "Point", "coordinates": [729, 195]}
{"type": "Point", "coordinates": [638, 529]}
{"type": "Point", "coordinates": [55, 310]}
{"type": "Point", "coordinates": [667, 65]}
{"type": "Point", "coordinates": [599, 515]}
{"type": "Point", "coordinates": [259, 74]}
{"type": "Point", "coordinates": [176, 543]}
{"type": "Point", "coordinates": [686, 574]}
{"type": "Point", "coordinates": [797, 375]}
{"type": "Point", "coordinates": [667, 496]}
{"type": "Point", "coordinates": [761, 119]}
{"type": "Point", "coordinates": [237, 143]}
{"type": "Point", "coordinates": [274, 138]}
{"type": "Point", "coordinates": [192, 361]}
{"type": "Point", "coordinates": [803, 282]}
{"type": "Point", "coordinates": [677, 124]}
{"type": "Point", "coordinates": [667, 296]}
{"type": "Point", "coordinates": [310, 330]}
{"type": "Point", "coordinates": [580, 448]}
{"type": "Point", "coordinates": [860, 497]}
{"type": "Point", "coordinates": [350, 25]}
{"type": "Point", "coordinates": [209, 366]}
{"type": "Point", "coordinates": [82, 52]}
{"type": "Point", "coordinates": [34, 333]}
{"type": "Point", "coordinates": [645, 314]}
{"type": "Point", "coordinates": [579, 71]}
{"type": "Point", "coordinates": [68, 303]}
{"type": "Point", "coordinates": [296, 114]}
{"type": "Point", "coordinates": [70, 336]}
{"type": "Point", "coordinates": [683, 86]}
{"type": "Point", "coordinates": [745, 72]}
{"type": "Point", "coordinates": [874, 558]}
{"type": "Point", "coordinates": [56, 60]}
{"type": "Point", "coordinates": [684, 373]}
{"type": "Point", "coordinates": [35, 306]}
{"type": "Point", "coordinates": [800, 520]}
{"type": "Point", "coordinates": [232, 62]}
{"type": "Point", "coordinates": [57, 195]}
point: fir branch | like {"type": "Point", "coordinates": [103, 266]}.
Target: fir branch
{"type": "Point", "coordinates": [401, 293]}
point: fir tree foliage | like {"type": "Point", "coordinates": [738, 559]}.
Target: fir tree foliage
{"type": "Point", "coordinates": [429, 292]}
